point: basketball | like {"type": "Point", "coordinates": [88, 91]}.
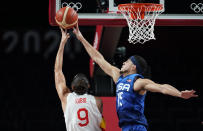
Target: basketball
{"type": "Point", "coordinates": [66, 17]}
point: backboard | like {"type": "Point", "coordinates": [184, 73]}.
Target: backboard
{"type": "Point", "coordinates": [104, 12]}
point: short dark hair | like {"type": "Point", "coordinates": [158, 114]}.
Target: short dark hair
{"type": "Point", "coordinates": [145, 69]}
{"type": "Point", "coordinates": [80, 84]}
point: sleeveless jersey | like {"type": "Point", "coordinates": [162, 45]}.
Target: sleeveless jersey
{"type": "Point", "coordinates": [129, 104]}
{"type": "Point", "coordinates": [82, 113]}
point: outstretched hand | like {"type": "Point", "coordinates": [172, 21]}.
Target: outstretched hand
{"type": "Point", "coordinates": [77, 32]}
{"type": "Point", "coordinates": [65, 35]}
{"type": "Point", "coordinates": [188, 94]}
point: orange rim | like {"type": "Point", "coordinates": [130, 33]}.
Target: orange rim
{"type": "Point", "coordinates": [133, 8]}
{"type": "Point", "coordinates": [137, 6]}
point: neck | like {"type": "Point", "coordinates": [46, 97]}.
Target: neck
{"type": "Point", "coordinates": [128, 73]}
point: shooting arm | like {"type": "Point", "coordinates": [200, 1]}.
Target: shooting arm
{"type": "Point", "coordinates": [60, 81]}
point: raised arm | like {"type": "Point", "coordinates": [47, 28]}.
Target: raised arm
{"type": "Point", "coordinates": [112, 71]}
{"type": "Point", "coordinates": [146, 84]}
{"type": "Point", "coordinates": [60, 81]}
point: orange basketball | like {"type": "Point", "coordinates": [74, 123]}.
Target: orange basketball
{"type": "Point", "coordinates": [66, 17]}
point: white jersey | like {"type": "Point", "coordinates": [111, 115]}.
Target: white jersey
{"type": "Point", "coordinates": [81, 113]}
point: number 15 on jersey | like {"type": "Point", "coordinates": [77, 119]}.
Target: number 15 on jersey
{"type": "Point", "coordinates": [120, 99]}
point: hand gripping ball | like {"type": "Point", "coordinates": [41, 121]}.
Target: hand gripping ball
{"type": "Point", "coordinates": [66, 17]}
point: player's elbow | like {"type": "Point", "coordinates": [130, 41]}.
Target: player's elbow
{"type": "Point", "coordinates": [98, 58]}
{"type": "Point", "coordinates": [57, 69]}
{"type": "Point", "coordinates": [58, 73]}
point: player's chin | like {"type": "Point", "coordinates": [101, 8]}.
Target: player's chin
{"type": "Point", "coordinates": [122, 71]}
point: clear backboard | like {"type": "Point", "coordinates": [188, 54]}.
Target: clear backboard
{"type": "Point", "coordinates": [105, 12]}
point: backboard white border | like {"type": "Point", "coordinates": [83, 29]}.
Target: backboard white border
{"type": "Point", "coordinates": [115, 19]}
{"type": "Point", "coordinates": [114, 15]}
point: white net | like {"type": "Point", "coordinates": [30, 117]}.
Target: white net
{"type": "Point", "coordinates": [141, 22]}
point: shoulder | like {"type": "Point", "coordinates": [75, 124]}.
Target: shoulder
{"type": "Point", "coordinates": [140, 83]}
{"type": "Point", "coordinates": [119, 79]}
{"type": "Point", "coordinates": [116, 74]}
{"type": "Point", "coordinates": [143, 81]}
{"type": "Point", "coordinates": [64, 100]}
{"type": "Point", "coordinates": [66, 97]}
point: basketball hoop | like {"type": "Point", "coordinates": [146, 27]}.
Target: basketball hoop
{"type": "Point", "coordinates": [141, 19]}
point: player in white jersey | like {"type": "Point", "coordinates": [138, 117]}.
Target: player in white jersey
{"type": "Point", "coordinates": [82, 112]}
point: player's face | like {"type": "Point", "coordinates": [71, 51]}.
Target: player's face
{"type": "Point", "coordinates": [126, 66]}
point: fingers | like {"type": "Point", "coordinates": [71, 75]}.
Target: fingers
{"type": "Point", "coordinates": [77, 26]}
{"type": "Point", "coordinates": [193, 91]}
{"type": "Point", "coordinates": [68, 35]}
{"type": "Point", "coordinates": [188, 94]}
{"type": "Point", "coordinates": [195, 96]}
{"type": "Point", "coordinates": [64, 32]}
{"type": "Point", "coordinates": [61, 29]}
{"type": "Point", "coordinates": [74, 30]}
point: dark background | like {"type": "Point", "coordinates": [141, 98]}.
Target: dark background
{"type": "Point", "coordinates": [28, 47]}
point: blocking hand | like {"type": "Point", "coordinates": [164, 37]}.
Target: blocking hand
{"type": "Point", "coordinates": [188, 94]}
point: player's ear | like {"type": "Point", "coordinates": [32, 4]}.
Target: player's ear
{"type": "Point", "coordinates": [134, 67]}
{"type": "Point", "coordinates": [72, 87]}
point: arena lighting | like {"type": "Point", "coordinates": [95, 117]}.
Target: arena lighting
{"type": "Point", "coordinates": [102, 2]}
{"type": "Point", "coordinates": [102, 6]}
